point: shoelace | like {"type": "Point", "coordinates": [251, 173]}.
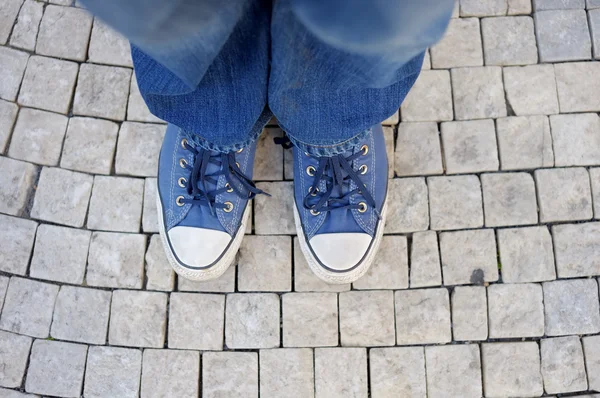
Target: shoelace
{"type": "Point", "coordinates": [200, 184]}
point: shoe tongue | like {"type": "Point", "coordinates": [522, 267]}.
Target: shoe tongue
{"type": "Point", "coordinates": [200, 217]}
{"type": "Point", "coordinates": [338, 221]}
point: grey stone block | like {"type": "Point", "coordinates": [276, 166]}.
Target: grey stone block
{"type": "Point", "coordinates": [430, 99]}
{"type": "Point", "coordinates": [526, 254]}
{"type": "Point", "coordinates": [519, 7]}
{"type": "Point", "coordinates": [6, 393]}
{"type": "Point", "coordinates": [234, 374]}
{"type": "Point", "coordinates": [541, 5]}
{"type": "Point", "coordinates": [455, 202]}
{"type": "Point", "coordinates": [112, 372]}
{"type": "Point", "coordinates": [418, 150]}
{"type": "Point", "coordinates": [116, 204]}
{"type": "Point", "coordinates": [563, 35]}
{"type": "Point", "coordinates": [265, 264]}
{"type": "Point", "coordinates": [425, 269]}
{"type": "Point", "coordinates": [305, 327]}
{"type": "Point", "coordinates": [340, 370]}
{"type": "Point", "coordinates": [408, 208]}
{"type": "Point", "coordinates": [469, 313]}
{"type": "Point", "coordinates": [12, 63]}
{"type": "Point", "coordinates": [478, 8]}
{"type": "Point", "coordinates": [470, 146]}
{"type": "Point", "coordinates": [453, 371]}
{"type": "Point", "coordinates": [469, 257]}
{"type": "Point", "coordinates": [578, 84]}
{"type": "Point", "coordinates": [137, 110]}
{"type": "Point", "coordinates": [171, 373]}
{"type": "Point", "coordinates": [108, 47]}
{"type": "Point", "coordinates": [223, 284]}
{"type": "Point", "coordinates": [422, 316]}
{"type": "Point", "coordinates": [56, 368]}
{"type": "Point", "coordinates": [509, 41]}
{"type": "Point", "coordinates": [138, 149]}
{"type": "Point", "coordinates": [571, 307]}
{"type": "Point", "coordinates": [478, 93]}
{"type": "Point", "coordinates": [16, 183]}
{"type": "Point", "coordinates": [512, 318]}
{"type": "Point", "coordinates": [576, 139]}
{"type": "Point", "coordinates": [592, 4]}
{"type": "Point", "coordinates": [388, 136]}
{"type": "Point", "coordinates": [196, 321]}
{"type": "Point", "coordinates": [60, 254]}
{"type": "Point", "coordinates": [591, 348]}
{"type": "Point", "coordinates": [26, 28]}
{"type": "Point", "coordinates": [64, 33]}
{"type": "Point", "coordinates": [305, 280]}
{"type": "Point", "coordinates": [577, 247]}
{"type": "Point", "coordinates": [563, 369]}
{"type": "Point", "coordinates": [390, 267]}
{"type": "Point", "coordinates": [150, 212]}
{"type": "Point", "coordinates": [287, 373]}
{"type": "Point", "coordinates": [9, 10]}
{"type": "Point", "coordinates": [3, 286]}
{"type": "Point", "coordinates": [531, 90]}
{"type": "Point", "coordinates": [102, 91]}
{"type": "Point", "coordinates": [595, 179]}
{"type": "Point", "coordinates": [397, 372]}
{"type": "Point", "coordinates": [509, 199]}
{"type": "Point", "coordinates": [460, 46]}
{"type": "Point", "coordinates": [367, 318]}
{"type": "Point", "coordinates": [89, 145]}
{"type": "Point", "coordinates": [116, 260]}
{"type": "Point", "coordinates": [16, 242]}
{"type": "Point", "coordinates": [275, 215]}
{"type": "Point", "coordinates": [268, 165]}
{"type": "Point", "coordinates": [8, 115]}
{"type": "Point", "coordinates": [524, 142]}
{"type": "Point", "coordinates": [575, 200]}
{"type": "Point", "coordinates": [594, 21]}
{"type": "Point", "coordinates": [159, 273]}
{"type": "Point", "coordinates": [252, 320]}
{"type": "Point", "coordinates": [14, 353]}
{"type": "Point", "coordinates": [138, 319]}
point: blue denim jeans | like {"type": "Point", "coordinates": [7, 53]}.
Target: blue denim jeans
{"type": "Point", "coordinates": [327, 69]}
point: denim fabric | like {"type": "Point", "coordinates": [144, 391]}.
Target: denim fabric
{"type": "Point", "coordinates": [331, 68]}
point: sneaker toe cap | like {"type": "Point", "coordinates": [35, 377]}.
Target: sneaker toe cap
{"type": "Point", "coordinates": [340, 251]}
{"type": "Point", "coordinates": [198, 247]}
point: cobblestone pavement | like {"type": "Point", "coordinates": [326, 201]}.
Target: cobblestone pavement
{"type": "Point", "coordinates": [486, 284]}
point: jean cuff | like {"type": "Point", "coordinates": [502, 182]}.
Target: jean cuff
{"type": "Point", "coordinates": [333, 149]}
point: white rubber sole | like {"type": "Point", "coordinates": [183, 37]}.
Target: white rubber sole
{"type": "Point", "coordinates": [217, 269]}
{"type": "Point", "coordinates": [338, 278]}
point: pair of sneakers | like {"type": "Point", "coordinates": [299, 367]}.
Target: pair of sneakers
{"type": "Point", "coordinates": [204, 206]}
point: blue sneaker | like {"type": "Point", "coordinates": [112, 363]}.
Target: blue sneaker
{"type": "Point", "coordinates": [202, 204]}
{"type": "Point", "coordinates": [341, 207]}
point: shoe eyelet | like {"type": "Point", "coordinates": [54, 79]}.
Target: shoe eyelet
{"type": "Point", "coordinates": [310, 170]}
{"type": "Point", "coordinates": [184, 143]}
{"type": "Point", "coordinates": [314, 213]}
{"type": "Point", "coordinates": [229, 189]}
{"type": "Point", "coordinates": [364, 149]}
{"type": "Point", "coordinates": [182, 163]}
{"type": "Point", "coordinates": [363, 207]}
{"type": "Point", "coordinates": [237, 164]}
{"type": "Point", "coordinates": [363, 169]}
{"type": "Point", "coordinates": [310, 191]}
{"type": "Point", "coordinates": [228, 208]}
{"type": "Point", "coordinates": [179, 201]}
{"type": "Point", "coordinates": [239, 150]}
{"type": "Point", "coordinates": [307, 154]}
{"type": "Point", "coordinates": [181, 182]}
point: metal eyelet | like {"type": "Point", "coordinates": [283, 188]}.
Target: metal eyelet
{"type": "Point", "coordinates": [184, 143]}
{"type": "Point", "coordinates": [237, 164]}
{"type": "Point", "coordinates": [229, 189]}
{"type": "Point", "coordinates": [310, 170]}
{"type": "Point", "coordinates": [181, 182]}
{"type": "Point", "coordinates": [364, 149]}
{"type": "Point", "coordinates": [314, 213]}
{"type": "Point", "coordinates": [307, 154]}
{"type": "Point", "coordinates": [228, 208]}
{"type": "Point", "coordinates": [179, 201]}
{"type": "Point", "coordinates": [240, 150]}
{"type": "Point", "coordinates": [182, 163]}
{"type": "Point", "coordinates": [363, 169]}
{"type": "Point", "coordinates": [310, 191]}
{"type": "Point", "coordinates": [363, 207]}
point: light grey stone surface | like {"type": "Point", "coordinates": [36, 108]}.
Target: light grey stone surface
{"type": "Point", "coordinates": [305, 280]}
{"type": "Point", "coordinates": [418, 149]}
{"type": "Point", "coordinates": [38, 137]}
{"type": "Point", "coordinates": [511, 369]}
{"type": "Point", "coordinates": [571, 307]}
{"type": "Point", "coordinates": [541, 5]}
{"type": "Point", "coordinates": [575, 201]}
{"type": "Point", "coordinates": [509, 199]}
{"type": "Point", "coordinates": [171, 373]}
{"type": "Point", "coordinates": [16, 183]}
{"type": "Point", "coordinates": [592, 4]}
{"type": "Point", "coordinates": [460, 46]}
{"type": "Point", "coordinates": [594, 21]}
{"type": "Point", "coordinates": [3, 286]}
{"type": "Point", "coordinates": [138, 319]}
{"type": "Point", "coordinates": [15, 394]}
{"type": "Point", "coordinates": [252, 320]}
{"type": "Point", "coordinates": [108, 46]}
{"type": "Point", "coordinates": [422, 316]}
{"type": "Point", "coordinates": [48, 84]}
{"type": "Point", "coordinates": [455, 202]}
{"type": "Point", "coordinates": [478, 8]}
{"type": "Point", "coordinates": [563, 368]}
{"type": "Point", "coordinates": [515, 310]}
{"type": "Point", "coordinates": [81, 315]}
{"type": "Point", "coordinates": [116, 204]}
{"type": "Point", "coordinates": [531, 90]}
{"type": "Point", "coordinates": [62, 196]}
{"type": "Point", "coordinates": [287, 373]}
{"type": "Point", "coordinates": [526, 254]}
{"type": "Point", "coordinates": [453, 371]}
{"type": "Point", "coordinates": [265, 263]}
{"type": "Point", "coordinates": [28, 307]}
{"type": "Point", "coordinates": [591, 348]}
{"type": "Point", "coordinates": [64, 33]}
{"type": "Point", "coordinates": [577, 247]}
{"type": "Point", "coordinates": [425, 269]}
{"type": "Point", "coordinates": [137, 110]}
{"type": "Point", "coordinates": [230, 374]}
{"type": "Point", "coordinates": [397, 372]}
{"type": "Point", "coordinates": [89, 145]}
{"type": "Point", "coordinates": [8, 115]}
{"type": "Point", "coordinates": [509, 41]}
{"type": "Point", "coordinates": [138, 149]}
{"type": "Point", "coordinates": [305, 327]}
{"type": "Point", "coordinates": [16, 241]}
{"type": "Point", "coordinates": [408, 209]}
{"type": "Point", "coordinates": [159, 273]}
{"type": "Point", "coordinates": [430, 99]}
{"type": "Point", "coordinates": [389, 138]}
{"type": "Point", "coordinates": [12, 63]}
{"type": "Point", "coordinates": [576, 138]}
{"type": "Point", "coordinates": [60, 254]}
{"type": "Point", "coordinates": [26, 28]}
{"type": "Point", "coordinates": [9, 10]}
{"type": "Point", "coordinates": [196, 321]}
{"type": "Point", "coordinates": [389, 270]}
{"type": "Point", "coordinates": [14, 353]}
{"type": "Point", "coordinates": [149, 213]}
{"type": "Point", "coordinates": [470, 146]}
{"type": "Point", "coordinates": [519, 7]}
{"type": "Point", "coordinates": [478, 93]}
{"type": "Point", "coordinates": [469, 313]}
{"type": "Point", "coordinates": [469, 257]}
{"type": "Point", "coordinates": [112, 372]}
{"type": "Point", "coordinates": [275, 215]}
{"type": "Point", "coordinates": [524, 142]}
{"type": "Point", "coordinates": [268, 165]}
{"type": "Point", "coordinates": [367, 318]}
{"type": "Point", "coordinates": [562, 35]}
{"type": "Point", "coordinates": [578, 84]}
{"type": "Point", "coordinates": [116, 260]}
{"type": "Point", "coordinates": [340, 372]}
{"type": "Point", "coordinates": [56, 368]}
{"type": "Point", "coordinates": [595, 180]}
{"type": "Point", "coordinates": [102, 91]}
{"type": "Point", "coordinates": [223, 284]}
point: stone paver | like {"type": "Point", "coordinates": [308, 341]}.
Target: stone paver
{"type": "Point", "coordinates": [367, 318]}
{"type": "Point", "coordinates": [137, 110]}
{"type": "Point", "coordinates": [305, 327]}
{"type": "Point", "coordinates": [8, 115]}
{"type": "Point", "coordinates": [469, 313]}
{"type": "Point", "coordinates": [455, 202]}
{"type": "Point", "coordinates": [229, 374]}
{"type": "Point", "coordinates": [577, 84]}
{"type": "Point", "coordinates": [3, 286]}
{"type": "Point", "coordinates": [524, 142]}
{"type": "Point", "coordinates": [591, 349]}
{"type": "Point", "coordinates": [470, 146]}
{"type": "Point", "coordinates": [170, 373]}
{"type": "Point", "coordinates": [516, 310]}
{"type": "Point", "coordinates": [265, 264]}
{"type": "Point", "coordinates": [6, 393]}
{"type": "Point", "coordinates": [509, 199]}
{"type": "Point", "coordinates": [287, 373]}
{"type": "Point", "coordinates": [418, 150]}
{"type": "Point", "coordinates": [149, 211]}
{"type": "Point", "coordinates": [138, 148]}
{"type": "Point", "coordinates": [13, 64]}
{"type": "Point", "coordinates": [16, 183]}
{"type": "Point", "coordinates": [108, 46]}
{"type": "Point", "coordinates": [102, 91]}
{"type": "Point", "coordinates": [9, 10]}
{"type": "Point", "coordinates": [577, 248]}
{"type": "Point", "coordinates": [16, 241]}
{"type": "Point", "coordinates": [252, 320]}
{"type": "Point", "coordinates": [575, 139]}
{"type": "Point", "coordinates": [430, 99]}
{"type": "Point", "coordinates": [64, 33]}
{"type": "Point", "coordinates": [422, 316]}
{"type": "Point", "coordinates": [531, 90]}
{"type": "Point", "coordinates": [571, 307]}
{"type": "Point", "coordinates": [595, 180]}
{"type": "Point", "coordinates": [469, 257]}
{"type": "Point", "coordinates": [390, 267]}
{"type": "Point", "coordinates": [541, 5]}
{"type": "Point", "coordinates": [14, 353]}
{"type": "Point", "coordinates": [112, 372]}
{"type": "Point", "coordinates": [397, 372]}
{"type": "Point", "coordinates": [461, 45]}
{"type": "Point", "coordinates": [425, 268]}
{"type": "Point", "coordinates": [453, 371]}
{"type": "Point", "coordinates": [159, 273]}
{"type": "Point", "coordinates": [196, 321]}
{"type": "Point", "coordinates": [116, 204]}
{"type": "Point", "coordinates": [594, 21]}
{"type": "Point", "coordinates": [341, 371]}
{"type": "Point", "coordinates": [407, 205]}
{"type": "Point", "coordinates": [275, 215]}
{"type": "Point", "coordinates": [509, 41]}
{"type": "Point", "coordinates": [563, 368]}
{"type": "Point", "coordinates": [478, 93]}
{"type": "Point", "coordinates": [575, 200]}
{"type": "Point", "coordinates": [27, 25]}
{"type": "Point", "coordinates": [519, 7]}
{"type": "Point", "coordinates": [562, 35]}
{"type": "Point", "coordinates": [268, 164]}
{"type": "Point", "coordinates": [476, 8]}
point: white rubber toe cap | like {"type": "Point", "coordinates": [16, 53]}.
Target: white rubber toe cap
{"type": "Point", "coordinates": [198, 247]}
{"type": "Point", "coordinates": [340, 251]}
